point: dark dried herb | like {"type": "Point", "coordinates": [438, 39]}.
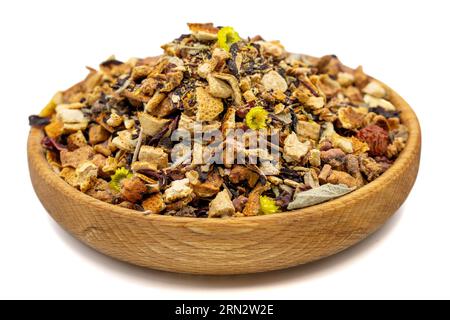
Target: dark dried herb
{"type": "Point", "coordinates": [294, 121]}
{"type": "Point", "coordinates": [175, 174]}
{"type": "Point", "coordinates": [308, 86]}
{"type": "Point", "coordinates": [52, 145]}
{"type": "Point", "coordinates": [161, 177]}
{"type": "Point", "coordinates": [241, 111]}
{"type": "Point", "coordinates": [262, 177]}
{"type": "Point", "coordinates": [284, 199]}
{"type": "Point", "coordinates": [129, 159]}
{"type": "Point", "coordinates": [231, 187]}
{"type": "Point", "coordinates": [282, 72]}
{"type": "Point", "coordinates": [291, 174]}
{"type": "Point", "coordinates": [234, 49]}
{"type": "Point", "coordinates": [187, 211]}
{"type": "Point", "coordinates": [120, 82]}
{"type": "Point", "coordinates": [103, 98]}
{"type": "Point", "coordinates": [201, 207]}
{"type": "Point", "coordinates": [249, 68]}
{"type": "Point", "coordinates": [138, 207]}
{"type": "Point", "coordinates": [202, 212]}
{"type": "Point", "coordinates": [37, 121]}
{"type": "Point", "coordinates": [385, 113]}
{"type": "Point", "coordinates": [110, 63]}
{"type": "Point", "coordinates": [345, 132]}
{"type": "Point", "coordinates": [202, 176]}
{"type": "Point", "coordinates": [168, 128]}
{"type": "Point", "coordinates": [121, 107]}
{"type": "Point", "coordinates": [98, 107]}
{"type": "Point", "coordinates": [233, 68]}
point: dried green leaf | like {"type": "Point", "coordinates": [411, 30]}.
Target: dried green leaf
{"type": "Point", "coordinates": [318, 195]}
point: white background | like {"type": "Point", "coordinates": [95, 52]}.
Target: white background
{"type": "Point", "coordinates": [46, 44]}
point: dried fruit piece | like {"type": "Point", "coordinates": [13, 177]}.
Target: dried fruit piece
{"type": "Point", "coordinates": [294, 150]}
{"type": "Point", "coordinates": [151, 125]}
{"type": "Point", "coordinates": [308, 129]}
{"type": "Point", "coordinates": [101, 191]}
{"type": "Point", "coordinates": [341, 177]}
{"type": "Point", "coordinates": [208, 107]}
{"type": "Point", "coordinates": [133, 189]}
{"type": "Point", "coordinates": [125, 141]}
{"type": "Point", "coordinates": [333, 157]}
{"type": "Point", "coordinates": [86, 174]}
{"type": "Point", "coordinates": [253, 204]}
{"type": "Point", "coordinates": [75, 158]}
{"type": "Point", "coordinates": [272, 48]}
{"type": "Point", "coordinates": [55, 129]}
{"type": "Point", "coordinates": [69, 175]}
{"type": "Point", "coordinates": [208, 188]}
{"type": "Point", "coordinates": [221, 206]}
{"type": "Point", "coordinates": [343, 143]}
{"type": "Point", "coordinates": [177, 190]}
{"type": "Point", "coordinates": [239, 203]}
{"type": "Point", "coordinates": [97, 134]}
{"type": "Point", "coordinates": [241, 173]}
{"type": "Point", "coordinates": [154, 204]}
{"type": "Point", "coordinates": [370, 167]}
{"type": "Point", "coordinates": [76, 140]}
{"type": "Point", "coordinates": [375, 89]}
{"type": "Point", "coordinates": [373, 102]}
{"type": "Point", "coordinates": [203, 31]}
{"type": "Point", "coordinates": [352, 118]}
{"type": "Point", "coordinates": [376, 137]}
{"type": "Point", "coordinates": [234, 84]}
{"type": "Point", "coordinates": [219, 88]}
{"type": "Point", "coordinates": [156, 157]}
{"type": "Point", "coordinates": [273, 81]}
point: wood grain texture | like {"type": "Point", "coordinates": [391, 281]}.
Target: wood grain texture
{"type": "Point", "coordinates": [229, 246]}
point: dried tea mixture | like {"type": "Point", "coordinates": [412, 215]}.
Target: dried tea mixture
{"type": "Point", "coordinates": [221, 126]}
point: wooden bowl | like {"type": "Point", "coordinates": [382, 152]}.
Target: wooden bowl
{"type": "Point", "coordinates": [229, 246]}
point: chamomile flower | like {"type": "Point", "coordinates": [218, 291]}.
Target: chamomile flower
{"type": "Point", "coordinates": [268, 205]}
{"type": "Point", "coordinates": [256, 118]}
{"type": "Point", "coordinates": [226, 37]}
{"type": "Point", "coordinates": [117, 177]}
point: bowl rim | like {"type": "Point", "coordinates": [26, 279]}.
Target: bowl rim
{"type": "Point", "coordinates": [37, 158]}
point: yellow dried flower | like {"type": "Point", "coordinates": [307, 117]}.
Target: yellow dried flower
{"type": "Point", "coordinates": [117, 177]}
{"type": "Point", "coordinates": [268, 205]}
{"type": "Point", "coordinates": [256, 118]}
{"type": "Point", "coordinates": [226, 37]}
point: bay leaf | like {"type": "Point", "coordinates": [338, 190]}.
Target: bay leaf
{"type": "Point", "coordinates": [318, 195]}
